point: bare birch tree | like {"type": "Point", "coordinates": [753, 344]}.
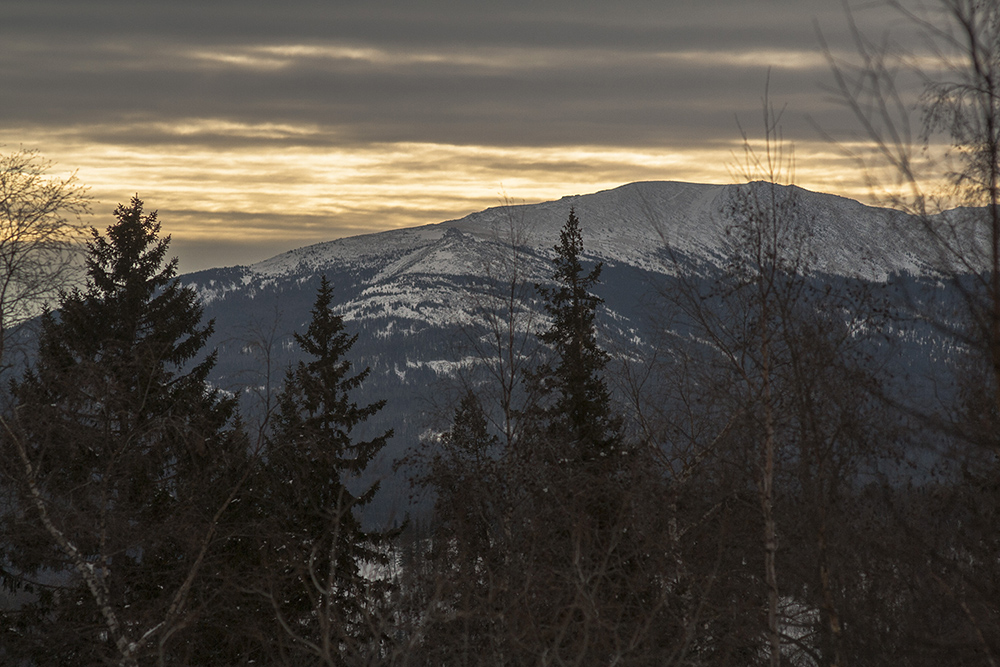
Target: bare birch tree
{"type": "Point", "coordinates": [500, 335]}
{"type": "Point", "coordinates": [772, 405]}
{"type": "Point", "coordinates": [40, 229]}
{"type": "Point", "coordinates": [930, 111]}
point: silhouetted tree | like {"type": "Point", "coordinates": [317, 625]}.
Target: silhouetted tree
{"type": "Point", "coordinates": [943, 166]}
{"type": "Point", "coordinates": [323, 572]}
{"type": "Point", "coordinates": [121, 462]}
{"type": "Point", "coordinates": [588, 528]}
{"type": "Point", "coordinates": [40, 234]}
{"type": "Point", "coordinates": [458, 593]}
{"type": "Point", "coordinates": [549, 548]}
{"type": "Point", "coordinates": [777, 421]}
{"type": "Point", "coordinates": [580, 416]}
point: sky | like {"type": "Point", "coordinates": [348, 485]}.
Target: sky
{"type": "Point", "coordinates": [255, 127]}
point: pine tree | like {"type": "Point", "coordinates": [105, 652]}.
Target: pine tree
{"type": "Point", "coordinates": [581, 411]}
{"type": "Point", "coordinates": [583, 570]}
{"type": "Point", "coordinates": [316, 545]}
{"type": "Point", "coordinates": [463, 564]}
{"type": "Point", "coordinates": [124, 459]}
{"type": "Point", "coordinates": [551, 546]}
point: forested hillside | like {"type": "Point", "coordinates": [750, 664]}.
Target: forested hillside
{"type": "Point", "coordinates": [667, 424]}
{"type": "Point", "coordinates": [736, 454]}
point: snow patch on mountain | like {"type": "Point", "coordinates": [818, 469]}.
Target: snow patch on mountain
{"type": "Point", "coordinates": [437, 276]}
{"type": "Point", "coordinates": [644, 225]}
{"type": "Point", "coordinates": [638, 225]}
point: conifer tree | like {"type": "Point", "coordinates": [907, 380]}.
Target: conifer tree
{"type": "Point", "coordinates": [316, 546]}
{"type": "Point", "coordinates": [581, 411]}
{"type": "Point", "coordinates": [464, 472]}
{"type": "Point", "coordinates": [464, 563]}
{"type": "Point", "coordinates": [123, 461]}
{"type": "Point", "coordinates": [550, 548]}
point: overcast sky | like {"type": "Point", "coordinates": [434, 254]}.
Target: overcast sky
{"type": "Point", "coordinates": [255, 127]}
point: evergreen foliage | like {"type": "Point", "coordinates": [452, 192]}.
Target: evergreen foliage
{"type": "Point", "coordinates": [464, 562]}
{"type": "Point", "coordinates": [547, 547]}
{"type": "Point", "coordinates": [123, 458]}
{"type": "Point", "coordinates": [581, 411]}
{"type": "Point", "coordinates": [316, 547]}
{"type": "Point", "coordinates": [466, 474]}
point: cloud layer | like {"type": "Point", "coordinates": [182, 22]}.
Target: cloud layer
{"type": "Point", "coordinates": [264, 126]}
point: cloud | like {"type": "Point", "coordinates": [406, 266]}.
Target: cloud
{"type": "Point", "coordinates": [300, 121]}
{"type": "Point", "coordinates": [510, 72]}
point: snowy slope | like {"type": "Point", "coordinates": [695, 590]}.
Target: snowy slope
{"type": "Point", "coordinates": [629, 225]}
{"type": "Point", "coordinates": [412, 294]}
{"type": "Point", "coordinates": [429, 280]}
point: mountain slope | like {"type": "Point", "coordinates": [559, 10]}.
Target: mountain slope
{"type": "Point", "coordinates": [415, 295]}
{"type": "Point", "coordinates": [630, 224]}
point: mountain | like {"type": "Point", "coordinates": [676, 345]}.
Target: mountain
{"type": "Point", "coordinates": [415, 296]}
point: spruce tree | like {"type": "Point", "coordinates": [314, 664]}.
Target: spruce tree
{"type": "Point", "coordinates": [577, 535]}
{"type": "Point", "coordinates": [581, 409]}
{"type": "Point", "coordinates": [463, 562]}
{"type": "Point", "coordinates": [467, 481]}
{"type": "Point", "coordinates": [124, 461]}
{"type": "Point", "coordinates": [551, 546]}
{"type": "Point", "coordinates": [316, 547]}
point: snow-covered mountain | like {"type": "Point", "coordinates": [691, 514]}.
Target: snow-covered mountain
{"type": "Point", "coordinates": [411, 294]}
{"type": "Point", "coordinates": [630, 225]}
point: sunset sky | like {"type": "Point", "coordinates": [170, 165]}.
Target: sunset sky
{"type": "Point", "coordinates": [255, 127]}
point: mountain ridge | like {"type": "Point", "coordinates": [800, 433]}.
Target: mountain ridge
{"type": "Point", "coordinates": [629, 224]}
{"type": "Point", "coordinates": [416, 296]}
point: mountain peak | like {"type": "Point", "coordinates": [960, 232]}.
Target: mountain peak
{"type": "Point", "coordinates": [632, 225]}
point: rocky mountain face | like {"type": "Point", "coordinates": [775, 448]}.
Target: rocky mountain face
{"type": "Point", "coordinates": [417, 297]}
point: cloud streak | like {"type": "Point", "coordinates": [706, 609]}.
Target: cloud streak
{"type": "Point", "coordinates": [276, 126]}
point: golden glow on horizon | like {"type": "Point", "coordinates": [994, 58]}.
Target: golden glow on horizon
{"type": "Point", "coordinates": [304, 194]}
{"type": "Point", "coordinates": [203, 126]}
{"type": "Point", "coordinates": [777, 59]}
{"type": "Point", "coordinates": [276, 57]}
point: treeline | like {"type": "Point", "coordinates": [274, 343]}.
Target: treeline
{"type": "Point", "coordinates": [142, 522]}
{"type": "Point", "coordinates": [760, 492]}
{"type": "Point", "coordinates": [759, 486]}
